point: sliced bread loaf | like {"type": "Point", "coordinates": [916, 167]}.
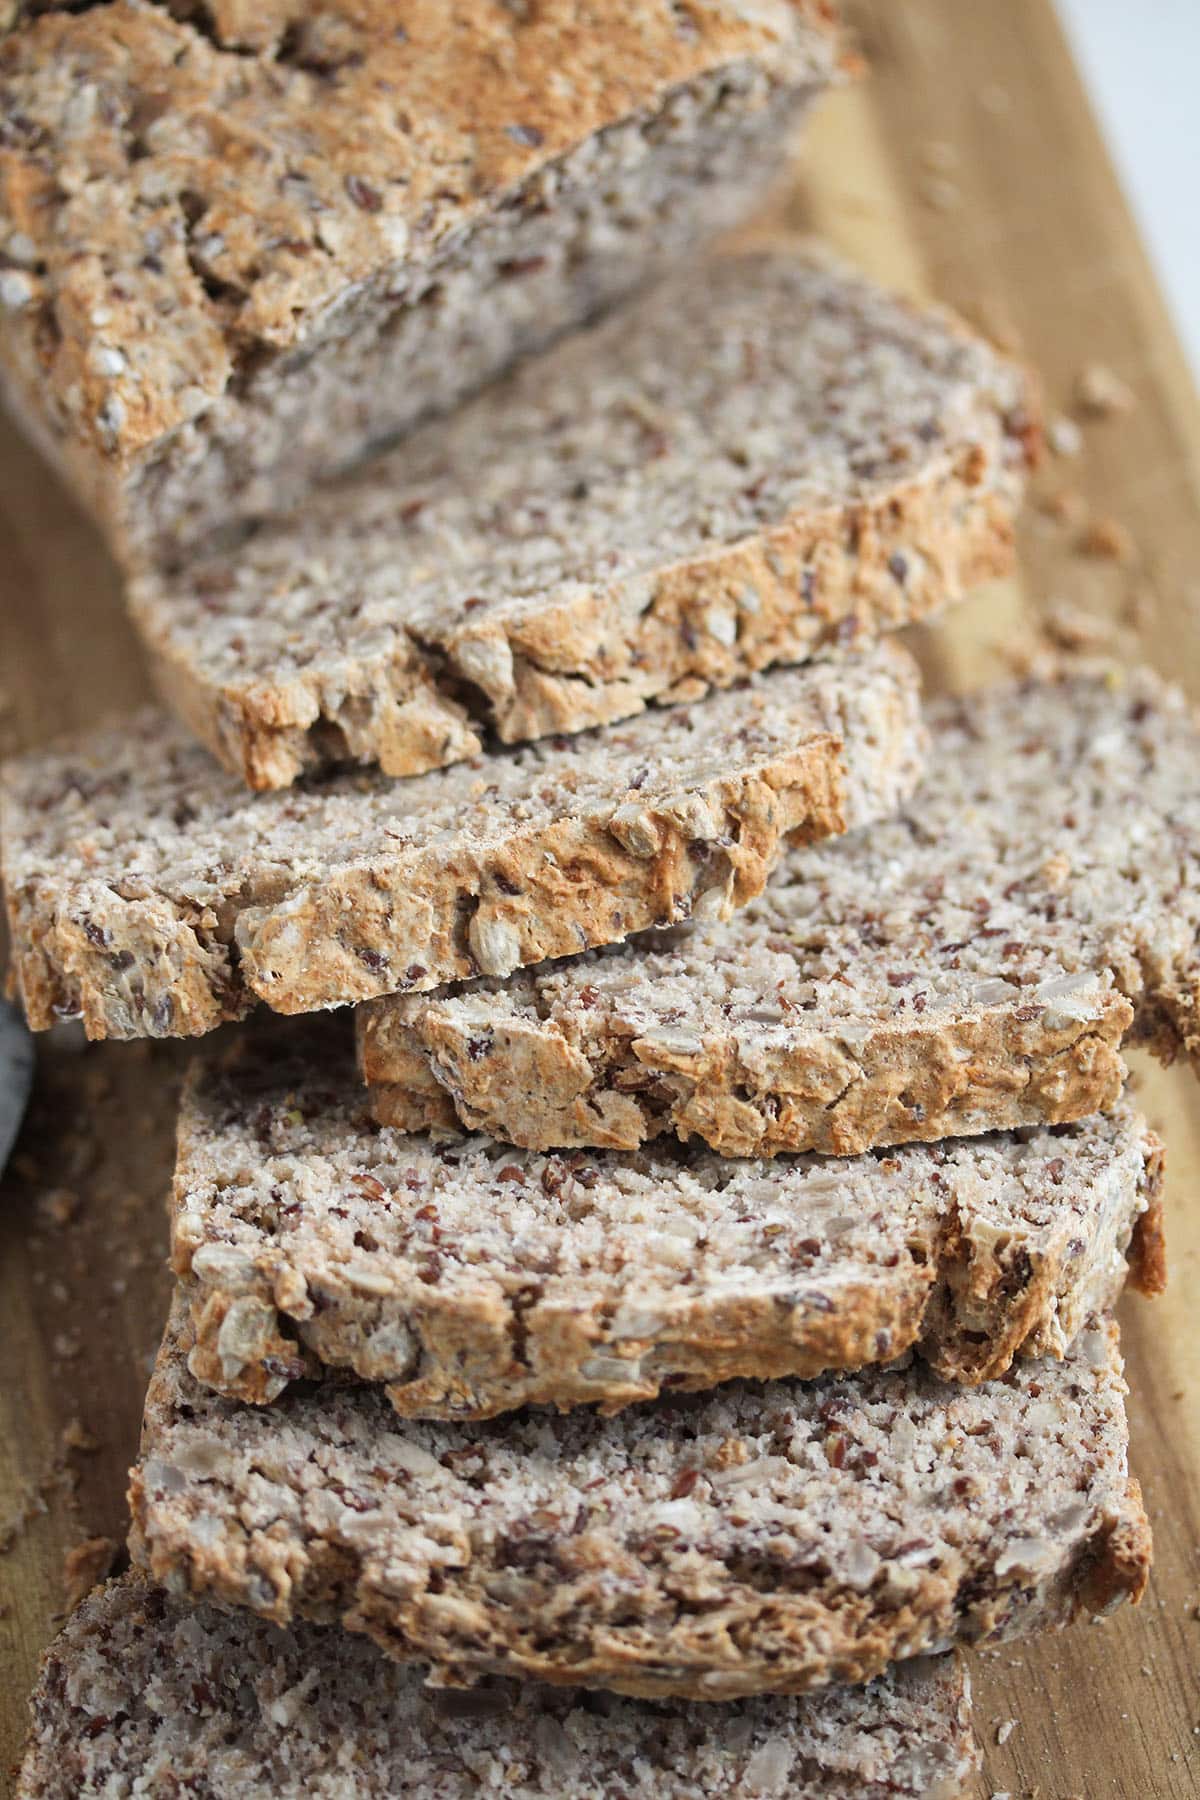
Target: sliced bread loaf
{"type": "Point", "coordinates": [764, 454]}
{"type": "Point", "coordinates": [750, 1540]}
{"type": "Point", "coordinates": [148, 892]}
{"type": "Point", "coordinates": [142, 1695]}
{"type": "Point", "coordinates": [471, 1278]}
{"type": "Point", "coordinates": [242, 246]}
{"type": "Point", "coordinates": [972, 964]}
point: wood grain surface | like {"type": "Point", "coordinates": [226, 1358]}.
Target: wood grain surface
{"type": "Point", "coordinates": [968, 166]}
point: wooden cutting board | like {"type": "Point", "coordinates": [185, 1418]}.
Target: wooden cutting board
{"type": "Point", "coordinates": [967, 167]}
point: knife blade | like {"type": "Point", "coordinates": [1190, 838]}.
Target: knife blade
{"type": "Point", "coordinates": [16, 1075]}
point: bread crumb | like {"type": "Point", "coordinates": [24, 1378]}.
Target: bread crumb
{"type": "Point", "coordinates": [85, 1565]}
{"type": "Point", "coordinates": [941, 194]}
{"type": "Point", "coordinates": [1106, 538]}
{"type": "Point", "coordinates": [56, 1477]}
{"type": "Point", "coordinates": [76, 1436]}
{"type": "Point", "coordinates": [11, 1529]}
{"type": "Point", "coordinates": [939, 156]}
{"type": "Point", "coordinates": [997, 324]}
{"type": "Point", "coordinates": [1005, 1730]}
{"type": "Point", "coordinates": [57, 1207]}
{"type": "Point", "coordinates": [1071, 628]}
{"type": "Point", "coordinates": [1100, 393]}
{"type": "Point", "coordinates": [1065, 504]}
{"type": "Point", "coordinates": [1064, 436]}
{"type": "Point", "coordinates": [1139, 609]}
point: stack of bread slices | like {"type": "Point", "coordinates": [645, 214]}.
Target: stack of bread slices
{"type": "Point", "coordinates": [636, 1348]}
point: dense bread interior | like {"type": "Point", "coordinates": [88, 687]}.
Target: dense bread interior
{"type": "Point", "coordinates": [751, 1539]}
{"type": "Point", "coordinates": [141, 1691]}
{"type": "Point", "coordinates": [472, 1278]}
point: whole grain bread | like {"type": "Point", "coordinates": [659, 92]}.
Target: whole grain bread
{"type": "Point", "coordinates": [150, 894]}
{"type": "Point", "coordinates": [471, 1278]}
{"type": "Point", "coordinates": [140, 1694]}
{"type": "Point", "coordinates": [972, 964]}
{"type": "Point", "coordinates": [242, 247]}
{"type": "Point", "coordinates": [749, 1540]}
{"type": "Point", "coordinates": [763, 455]}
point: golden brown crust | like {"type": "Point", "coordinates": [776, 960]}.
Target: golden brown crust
{"type": "Point", "coordinates": [910, 1084]}
{"type": "Point", "coordinates": [1148, 1248]}
{"type": "Point", "coordinates": [472, 1368]}
{"type": "Point", "coordinates": [148, 893]}
{"type": "Point", "coordinates": [1118, 1567]}
{"type": "Point", "coordinates": [590, 659]}
{"type": "Point", "coordinates": [551, 892]}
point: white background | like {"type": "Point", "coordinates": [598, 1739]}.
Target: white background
{"type": "Point", "coordinates": [1141, 61]}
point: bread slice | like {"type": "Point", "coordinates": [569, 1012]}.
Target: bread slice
{"type": "Point", "coordinates": [270, 236]}
{"type": "Point", "coordinates": [763, 455]}
{"type": "Point", "coordinates": [749, 1540]}
{"type": "Point", "coordinates": [471, 1278]}
{"type": "Point", "coordinates": [972, 964]}
{"type": "Point", "coordinates": [140, 1693]}
{"type": "Point", "coordinates": [150, 894]}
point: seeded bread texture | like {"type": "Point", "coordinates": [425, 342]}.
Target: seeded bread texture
{"type": "Point", "coordinates": [761, 456]}
{"type": "Point", "coordinates": [470, 1278]}
{"type": "Point", "coordinates": [750, 1540]}
{"type": "Point", "coordinates": [150, 894]}
{"type": "Point", "coordinates": [140, 1694]}
{"type": "Point", "coordinates": [972, 964]}
{"type": "Point", "coordinates": [244, 247]}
